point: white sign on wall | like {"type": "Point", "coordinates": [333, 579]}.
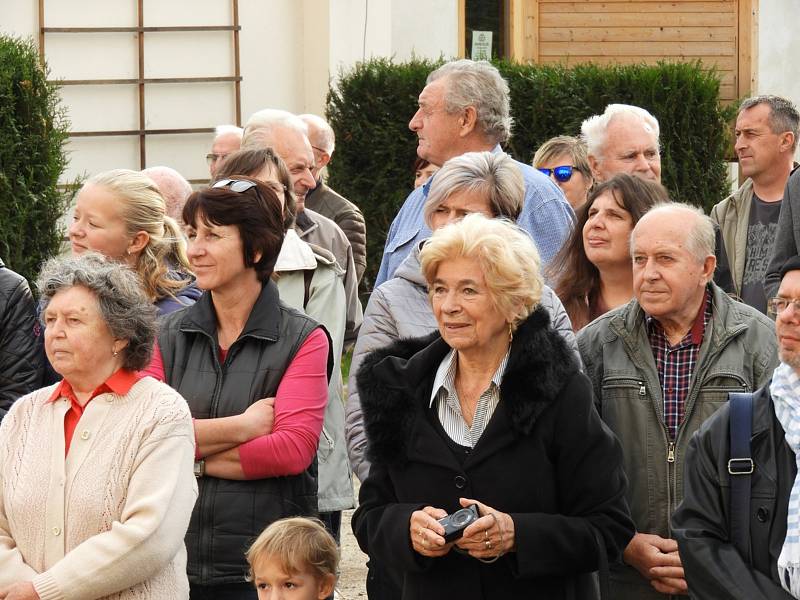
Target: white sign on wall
{"type": "Point", "coordinates": [481, 45]}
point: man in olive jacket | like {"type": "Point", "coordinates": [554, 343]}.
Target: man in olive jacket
{"type": "Point", "coordinates": [662, 364]}
{"type": "Point", "coordinates": [716, 567]}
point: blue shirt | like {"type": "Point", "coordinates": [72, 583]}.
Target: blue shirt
{"type": "Point", "coordinates": [546, 216]}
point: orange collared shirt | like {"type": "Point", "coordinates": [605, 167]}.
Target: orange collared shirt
{"type": "Point", "coordinates": [120, 383]}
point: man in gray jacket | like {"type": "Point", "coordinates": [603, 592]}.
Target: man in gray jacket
{"type": "Point", "coordinates": [766, 137]}
{"type": "Point", "coordinates": [660, 366]}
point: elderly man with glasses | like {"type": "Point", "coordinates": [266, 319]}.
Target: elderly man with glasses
{"type": "Point", "coordinates": [738, 527]}
{"type": "Point", "coordinates": [227, 140]}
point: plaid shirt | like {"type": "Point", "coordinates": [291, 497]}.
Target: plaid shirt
{"type": "Point", "coordinates": [675, 364]}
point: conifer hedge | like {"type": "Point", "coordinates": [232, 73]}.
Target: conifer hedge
{"type": "Point", "coordinates": [33, 129]}
{"type": "Point", "coordinates": [370, 106]}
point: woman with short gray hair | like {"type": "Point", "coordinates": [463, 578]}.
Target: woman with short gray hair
{"type": "Point", "coordinates": [117, 528]}
{"type": "Point", "coordinates": [484, 182]}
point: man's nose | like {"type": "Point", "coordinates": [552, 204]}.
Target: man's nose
{"type": "Point", "coordinates": [416, 121]}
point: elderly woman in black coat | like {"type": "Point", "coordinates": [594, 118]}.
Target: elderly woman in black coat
{"type": "Point", "coordinates": [491, 411]}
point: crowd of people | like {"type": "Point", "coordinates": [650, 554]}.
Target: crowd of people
{"type": "Point", "coordinates": [566, 383]}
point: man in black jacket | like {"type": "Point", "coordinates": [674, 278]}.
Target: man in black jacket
{"type": "Point", "coordinates": [21, 364]}
{"type": "Point", "coordinates": [714, 567]}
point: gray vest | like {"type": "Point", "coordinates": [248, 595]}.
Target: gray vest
{"type": "Point", "coordinates": [228, 514]}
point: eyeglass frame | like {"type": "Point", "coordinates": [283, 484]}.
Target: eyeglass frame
{"type": "Point", "coordinates": [554, 171]}
{"type": "Point", "coordinates": [212, 158]}
{"type": "Point", "coordinates": [794, 302]}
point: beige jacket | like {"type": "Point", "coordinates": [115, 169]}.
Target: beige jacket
{"type": "Point", "coordinates": [109, 521]}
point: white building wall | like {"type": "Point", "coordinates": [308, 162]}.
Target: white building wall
{"type": "Point", "coordinates": [289, 52]}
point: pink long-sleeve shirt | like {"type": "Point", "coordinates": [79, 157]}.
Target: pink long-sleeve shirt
{"type": "Point", "coordinates": [299, 410]}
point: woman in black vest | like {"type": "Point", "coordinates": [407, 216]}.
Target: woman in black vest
{"type": "Point", "coordinates": [254, 373]}
{"type": "Point", "coordinates": [491, 414]}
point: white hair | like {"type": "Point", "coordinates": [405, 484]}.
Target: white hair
{"type": "Point", "coordinates": [700, 239]}
{"type": "Point", "coordinates": [321, 132]}
{"type": "Point", "coordinates": [221, 130]}
{"type": "Point", "coordinates": [269, 118]}
{"type": "Point", "coordinates": [478, 84]}
{"type": "Point", "coordinates": [173, 187]}
{"type": "Point", "coordinates": [594, 129]}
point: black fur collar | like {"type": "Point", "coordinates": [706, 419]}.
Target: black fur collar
{"type": "Point", "coordinates": [394, 383]}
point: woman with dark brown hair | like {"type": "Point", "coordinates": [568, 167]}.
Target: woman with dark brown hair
{"type": "Point", "coordinates": [593, 271]}
{"type": "Point", "coordinates": [255, 375]}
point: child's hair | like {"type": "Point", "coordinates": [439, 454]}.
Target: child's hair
{"type": "Point", "coordinates": [299, 543]}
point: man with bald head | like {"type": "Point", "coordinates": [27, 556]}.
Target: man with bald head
{"type": "Point", "coordinates": [174, 188]}
{"type": "Point", "coordinates": [624, 139]}
{"type": "Point", "coordinates": [662, 364]}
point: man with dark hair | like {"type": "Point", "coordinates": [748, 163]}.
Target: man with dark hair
{"type": "Point", "coordinates": [763, 561]}
{"type": "Point", "coordinates": [465, 108]}
{"type": "Point", "coordinates": [766, 137]}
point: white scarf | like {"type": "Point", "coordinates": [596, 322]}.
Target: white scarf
{"type": "Point", "coordinates": [785, 391]}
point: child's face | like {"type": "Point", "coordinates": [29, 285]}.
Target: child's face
{"type": "Point", "coordinates": [273, 583]}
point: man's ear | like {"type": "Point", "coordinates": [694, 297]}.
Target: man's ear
{"type": "Point", "coordinates": [467, 121]}
{"type": "Point", "coordinates": [709, 266]}
{"type": "Point", "coordinates": [786, 141]}
{"type": "Point", "coordinates": [324, 159]}
{"type": "Point", "coordinates": [594, 166]}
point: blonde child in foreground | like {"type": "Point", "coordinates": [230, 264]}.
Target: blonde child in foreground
{"type": "Point", "coordinates": [294, 559]}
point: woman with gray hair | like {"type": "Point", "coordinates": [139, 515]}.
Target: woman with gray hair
{"type": "Point", "coordinates": [484, 182]}
{"type": "Point", "coordinates": [492, 475]}
{"type": "Point", "coordinates": [96, 482]}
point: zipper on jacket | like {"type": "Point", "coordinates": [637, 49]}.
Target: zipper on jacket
{"type": "Point", "coordinates": [642, 390]}
{"type": "Point", "coordinates": [671, 452]}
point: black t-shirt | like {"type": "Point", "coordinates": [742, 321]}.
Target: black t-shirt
{"type": "Point", "coordinates": [761, 231]}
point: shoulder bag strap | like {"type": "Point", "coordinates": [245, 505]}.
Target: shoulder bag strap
{"type": "Point", "coordinates": [740, 468]}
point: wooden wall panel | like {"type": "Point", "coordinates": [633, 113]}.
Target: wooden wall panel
{"type": "Point", "coordinates": [721, 33]}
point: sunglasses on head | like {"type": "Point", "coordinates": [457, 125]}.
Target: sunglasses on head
{"type": "Point", "coordinates": [236, 185]}
{"type": "Point", "coordinates": [562, 173]}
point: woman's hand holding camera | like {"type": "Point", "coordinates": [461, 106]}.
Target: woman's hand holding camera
{"type": "Point", "coordinates": [426, 532]}
{"type": "Point", "coordinates": [489, 537]}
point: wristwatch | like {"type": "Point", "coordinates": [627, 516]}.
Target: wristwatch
{"type": "Point", "coordinates": [199, 468]}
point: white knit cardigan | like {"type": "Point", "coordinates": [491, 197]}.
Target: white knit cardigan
{"type": "Point", "coordinates": [109, 521]}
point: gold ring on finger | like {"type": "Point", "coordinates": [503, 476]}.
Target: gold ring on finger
{"type": "Point", "coordinates": [488, 544]}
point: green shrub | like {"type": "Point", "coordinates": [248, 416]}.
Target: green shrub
{"type": "Point", "coordinates": [33, 128]}
{"type": "Point", "coordinates": [369, 109]}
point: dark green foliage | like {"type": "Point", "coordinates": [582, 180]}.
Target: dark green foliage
{"type": "Point", "coordinates": [370, 107]}
{"type": "Point", "coordinates": [33, 129]}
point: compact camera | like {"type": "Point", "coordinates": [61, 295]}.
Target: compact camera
{"type": "Point", "coordinates": [455, 524]}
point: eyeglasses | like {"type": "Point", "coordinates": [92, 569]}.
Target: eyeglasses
{"type": "Point", "coordinates": [778, 305]}
{"type": "Point", "coordinates": [562, 173]}
{"type": "Point", "coordinates": [212, 158]}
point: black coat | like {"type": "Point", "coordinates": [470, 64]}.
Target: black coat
{"type": "Point", "coordinates": [545, 458]}
{"type": "Point", "coordinates": [21, 352]}
{"type": "Point", "coordinates": [714, 567]}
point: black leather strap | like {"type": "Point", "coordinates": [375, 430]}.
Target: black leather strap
{"type": "Point", "coordinates": [740, 468]}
